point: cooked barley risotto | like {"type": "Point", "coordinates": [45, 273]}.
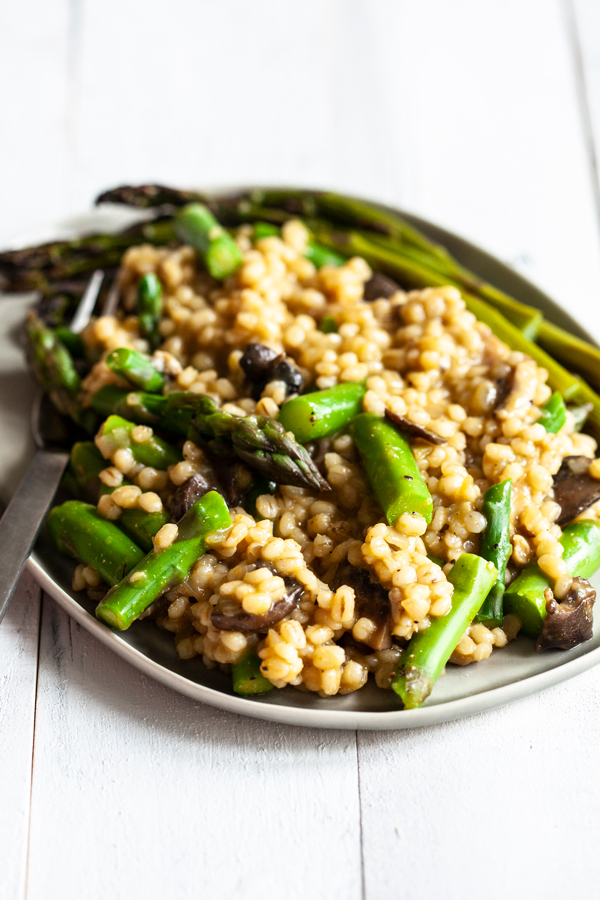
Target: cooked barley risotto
{"type": "Point", "coordinates": [310, 476]}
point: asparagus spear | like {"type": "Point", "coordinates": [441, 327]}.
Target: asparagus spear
{"type": "Point", "coordinates": [321, 413]}
{"type": "Point", "coordinates": [40, 267]}
{"type": "Point", "coordinates": [428, 652]}
{"type": "Point", "coordinates": [160, 411]}
{"type": "Point", "coordinates": [162, 569]}
{"type": "Point", "coordinates": [525, 596]}
{"type": "Point", "coordinates": [149, 308]}
{"type": "Point", "coordinates": [391, 468]}
{"type": "Point", "coordinates": [148, 196]}
{"type": "Point", "coordinates": [496, 547]}
{"type": "Point", "coordinates": [53, 367]}
{"type": "Point", "coordinates": [85, 466]}
{"type": "Point", "coordinates": [115, 433]}
{"type": "Point", "coordinates": [79, 530]}
{"type": "Point", "coordinates": [137, 369]}
{"type": "Point", "coordinates": [259, 441]}
{"type": "Point", "coordinates": [196, 225]}
{"type": "Point", "coordinates": [246, 677]}
{"type": "Point", "coordinates": [554, 414]}
{"type": "Point", "coordinates": [571, 351]}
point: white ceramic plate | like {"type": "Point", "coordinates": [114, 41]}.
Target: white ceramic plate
{"type": "Point", "coordinates": [509, 674]}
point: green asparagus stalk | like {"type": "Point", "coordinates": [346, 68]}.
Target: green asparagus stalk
{"type": "Point", "coordinates": [72, 341]}
{"type": "Point", "coordinates": [391, 468]}
{"type": "Point", "coordinates": [422, 662]}
{"type": "Point", "coordinates": [148, 196]}
{"type": "Point", "coordinates": [162, 412]}
{"type": "Point", "coordinates": [54, 370]}
{"type": "Point", "coordinates": [496, 547]}
{"type": "Point", "coordinates": [321, 413]}
{"type": "Point", "coordinates": [85, 465]}
{"type": "Point", "coordinates": [79, 530]}
{"type": "Point", "coordinates": [149, 308]}
{"type": "Point", "coordinates": [196, 225]}
{"type": "Point", "coordinates": [161, 570]}
{"type": "Point", "coordinates": [115, 434]}
{"type": "Point", "coordinates": [136, 369]}
{"type": "Point", "coordinates": [554, 414]}
{"type": "Point", "coordinates": [41, 267]}
{"type": "Point", "coordinates": [246, 677]}
{"type": "Point", "coordinates": [571, 351]}
{"type": "Point", "coordinates": [525, 596]}
{"type": "Point", "coordinates": [259, 441]}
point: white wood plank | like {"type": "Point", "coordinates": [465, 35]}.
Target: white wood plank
{"type": "Point", "coordinates": [18, 652]}
{"type": "Point", "coordinates": [496, 151]}
{"type": "Point", "coordinates": [492, 136]}
{"type": "Point", "coordinates": [33, 150]}
{"type": "Point", "coordinates": [237, 93]}
{"type": "Point", "coordinates": [140, 792]}
{"type": "Point", "coordinates": [583, 18]}
{"type": "Point", "coordinates": [504, 804]}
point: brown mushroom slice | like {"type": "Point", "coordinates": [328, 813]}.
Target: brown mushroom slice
{"type": "Point", "coordinates": [261, 364]}
{"type": "Point", "coordinates": [372, 602]}
{"type": "Point", "coordinates": [187, 493]}
{"type": "Point", "coordinates": [413, 430]}
{"type": "Point", "coordinates": [572, 465]}
{"type": "Point", "coordinates": [568, 623]}
{"type": "Point", "coordinates": [379, 286]}
{"type": "Point", "coordinates": [523, 382]}
{"type": "Point", "coordinates": [574, 489]}
{"type": "Point", "coordinates": [245, 622]}
{"type": "Point", "coordinates": [502, 375]}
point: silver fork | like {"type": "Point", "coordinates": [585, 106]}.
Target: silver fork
{"type": "Point", "coordinates": [22, 520]}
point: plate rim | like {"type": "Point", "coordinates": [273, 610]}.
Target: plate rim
{"type": "Point", "coordinates": [334, 718]}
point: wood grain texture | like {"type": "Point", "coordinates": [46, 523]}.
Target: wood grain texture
{"type": "Point", "coordinates": [19, 635]}
{"type": "Point", "coordinates": [138, 791]}
{"type": "Point", "coordinates": [34, 70]}
{"type": "Point", "coordinates": [486, 804]}
{"type": "Point", "coordinates": [467, 113]}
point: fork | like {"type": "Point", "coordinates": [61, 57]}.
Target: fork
{"type": "Point", "coordinates": [23, 517]}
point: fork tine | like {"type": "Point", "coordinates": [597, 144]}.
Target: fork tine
{"type": "Point", "coordinates": [112, 298]}
{"type": "Point", "coordinates": [88, 301]}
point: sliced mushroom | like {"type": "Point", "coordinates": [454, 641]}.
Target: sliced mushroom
{"type": "Point", "coordinates": [574, 489]}
{"type": "Point", "coordinates": [245, 622]}
{"type": "Point", "coordinates": [378, 286]}
{"type": "Point", "coordinates": [372, 602]}
{"type": "Point", "coordinates": [187, 493]}
{"type": "Point", "coordinates": [413, 430]}
{"type": "Point", "coordinates": [568, 623]}
{"type": "Point", "coordinates": [572, 465]}
{"type": "Point", "coordinates": [261, 364]}
{"type": "Point", "coordinates": [523, 384]}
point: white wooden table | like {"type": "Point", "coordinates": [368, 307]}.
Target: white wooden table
{"type": "Point", "coordinates": [484, 117]}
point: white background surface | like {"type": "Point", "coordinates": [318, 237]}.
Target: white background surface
{"type": "Point", "coordinates": [482, 116]}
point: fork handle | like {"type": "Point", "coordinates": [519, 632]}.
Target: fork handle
{"type": "Point", "coordinates": [23, 518]}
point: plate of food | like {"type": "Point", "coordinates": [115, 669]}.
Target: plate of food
{"type": "Point", "coordinates": [326, 454]}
